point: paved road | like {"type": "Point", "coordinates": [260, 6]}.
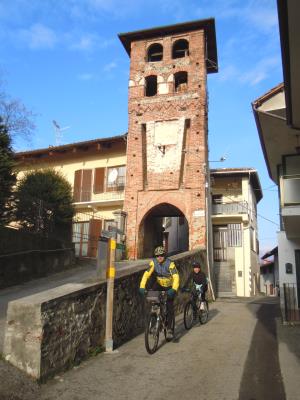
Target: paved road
{"type": "Point", "coordinates": [242, 353]}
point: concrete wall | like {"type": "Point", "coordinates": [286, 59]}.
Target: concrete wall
{"type": "Point", "coordinates": [286, 254]}
{"type": "Point", "coordinates": [21, 267]}
{"type": "Point", "coordinates": [51, 331]}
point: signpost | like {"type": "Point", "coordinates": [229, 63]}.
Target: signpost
{"type": "Point", "coordinates": [103, 257]}
{"type": "Point", "coordinates": [111, 272]}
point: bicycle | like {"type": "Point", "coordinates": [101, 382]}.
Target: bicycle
{"type": "Point", "coordinates": [156, 320]}
{"type": "Point", "coordinates": [195, 308]}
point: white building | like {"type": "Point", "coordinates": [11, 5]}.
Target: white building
{"type": "Point", "coordinates": [277, 115]}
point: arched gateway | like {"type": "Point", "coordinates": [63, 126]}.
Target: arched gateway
{"type": "Point", "coordinates": [163, 225]}
{"type": "Point", "coordinates": [167, 133]}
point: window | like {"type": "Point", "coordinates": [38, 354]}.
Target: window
{"type": "Point", "coordinates": [115, 180]}
{"type": "Point", "coordinates": [151, 85]}
{"type": "Point", "coordinates": [217, 198]}
{"type": "Point", "coordinates": [220, 243]}
{"type": "Point", "coordinates": [252, 239]}
{"type": "Point", "coordinates": [291, 164]}
{"type": "Point", "coordinates": [167, 222]}
{"type": "Point", "coordinates": [155, 52]}
{"type": "Point", "coordinates": [81, 238]}
{"type": "Point", "coordinates": [82, 185]}
{"type": "Point", "coordinates": [234, 235]}
{"type": "Point", "coordinates": [180, 49]}
{"type": "Point", "coordinates": [180, 81]}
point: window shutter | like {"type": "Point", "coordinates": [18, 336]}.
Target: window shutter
{"type": "Point", "coordinates": [94, 233]}
{"type": "Point", "coordinates": [77, 185]}
{"type": "Point", "coordinates": [99, 180]}
{"type": "Point", "coordinates": [86, 187]}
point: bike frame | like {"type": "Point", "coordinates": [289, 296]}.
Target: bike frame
{"type": "Point", "coordinates": [159, 307]}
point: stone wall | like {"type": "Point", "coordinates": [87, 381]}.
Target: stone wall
{"type": "Point", "coordinates": [49, 332]}
{"type": "Point", "coordinates": [21, 267]}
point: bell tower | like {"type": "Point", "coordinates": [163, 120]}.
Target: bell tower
{"type": "Point", "coordinates": [167, 133]}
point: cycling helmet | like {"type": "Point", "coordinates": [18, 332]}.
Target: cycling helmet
{"type": "Point", "coordinates": [159, 251]}
{"type": "Point", "coordinates": [196, 264]}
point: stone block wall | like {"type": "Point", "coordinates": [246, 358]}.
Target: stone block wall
{"type": "Point", "coordinates": [51, 331]}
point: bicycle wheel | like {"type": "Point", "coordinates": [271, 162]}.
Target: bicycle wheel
{"type": "Point", "coordinates": [169, 339]}
{"type": "Point", "coordinates": [152, 333]}
{"type": "Point", "coordinates": [203, 314]}
{"type": "Point", "coordinates": [188, 317]}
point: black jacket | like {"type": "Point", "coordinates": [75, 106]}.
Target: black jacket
{"type": "Point", "coordinates": [199, 279]}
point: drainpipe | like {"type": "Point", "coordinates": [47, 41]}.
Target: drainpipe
{"type": "Point", "coordinates": [208, 229]}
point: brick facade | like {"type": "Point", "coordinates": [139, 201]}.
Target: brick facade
{"type": "Point", "coordinates": [167, 134]}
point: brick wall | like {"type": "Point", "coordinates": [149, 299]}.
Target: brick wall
{"type": "Point", "coordinates": [172, 171]}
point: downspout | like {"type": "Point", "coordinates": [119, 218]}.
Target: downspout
{"type": "Point", "coordinates": [208, 230]}
{"type": "Point", "coordinates": [244, 258]}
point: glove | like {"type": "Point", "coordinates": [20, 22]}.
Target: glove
{"type": "Point", "coordinates": [171, 293]}
{"type": "Point", "coordinates": [142, 291]}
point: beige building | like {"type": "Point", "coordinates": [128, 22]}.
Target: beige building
{"type": "Point", "coordinates": [96, 170]}
{"type": "Point", "coordinates": [235, 194]}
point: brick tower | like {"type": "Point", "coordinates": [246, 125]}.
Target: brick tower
{"type": "Point", "coordinates": [167, 133]}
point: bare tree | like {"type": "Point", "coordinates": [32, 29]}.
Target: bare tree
{"type": "Point", "coordinates": [15, 116]}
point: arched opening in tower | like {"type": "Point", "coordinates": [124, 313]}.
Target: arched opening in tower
{"type": "Point", "coordinates": [164, 225]}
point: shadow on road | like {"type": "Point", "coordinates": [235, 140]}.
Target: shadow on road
{"type": "Point", "coordinates": [180, 329]}
{"type": "Point", "coordinates": [262, 377]}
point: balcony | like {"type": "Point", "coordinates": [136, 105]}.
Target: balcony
{"type": "Point", "coordinates": [83, 198]}
{"type": "Point", "coordinates": [290, 190]}
{"type": "Point", "coordinates": [240, 207]}
{"type": "Point", "coordinates": [290, 205]}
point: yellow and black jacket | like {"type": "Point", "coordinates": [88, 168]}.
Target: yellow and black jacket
{"type": "Point", "coordinates": [166, 274]}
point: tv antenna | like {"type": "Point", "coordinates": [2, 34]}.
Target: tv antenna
{"type": "Point", "coordinates": [58, 132]}
{"type": "Point", "coordinates": [221, 159]}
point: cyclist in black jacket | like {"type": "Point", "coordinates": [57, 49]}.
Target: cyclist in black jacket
{"type": "Point", "coordinates": [199, 278]}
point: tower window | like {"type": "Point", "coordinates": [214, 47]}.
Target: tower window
{"type": "Point", "coordinates": [151, 85]}
{"type": "Point", "coordinates": [155, 53]}
{"type": "Point", "coordinates": [180, 81]}
{"type": "Point", "coordinates": [180, 49]}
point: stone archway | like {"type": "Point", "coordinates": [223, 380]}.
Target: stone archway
{"type": "Point", "coordinates": [164, 224]}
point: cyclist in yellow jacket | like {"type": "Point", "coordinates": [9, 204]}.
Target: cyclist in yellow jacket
{"type": "Point", "coordinates": [165, 278]}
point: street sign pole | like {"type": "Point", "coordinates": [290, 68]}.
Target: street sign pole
{"type": "Point", "coordinates": [111, 272]}
{"type": "Point", "coordinates": [102, 257]}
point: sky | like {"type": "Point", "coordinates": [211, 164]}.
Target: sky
{"type": "Point", "coordinates": [65, 62]}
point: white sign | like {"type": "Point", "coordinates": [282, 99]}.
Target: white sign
{"type": "Point", "coordinates": [166, 133]}
{"type": "Point", "coordinates": [199, 213]}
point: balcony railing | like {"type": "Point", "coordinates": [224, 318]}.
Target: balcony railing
{"type": "Point", "coordinates": [290, 190]}
{"type": "Point", "coordinates": [84, 196]}
{"type": "Point", "coordinates": [240, 207]}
